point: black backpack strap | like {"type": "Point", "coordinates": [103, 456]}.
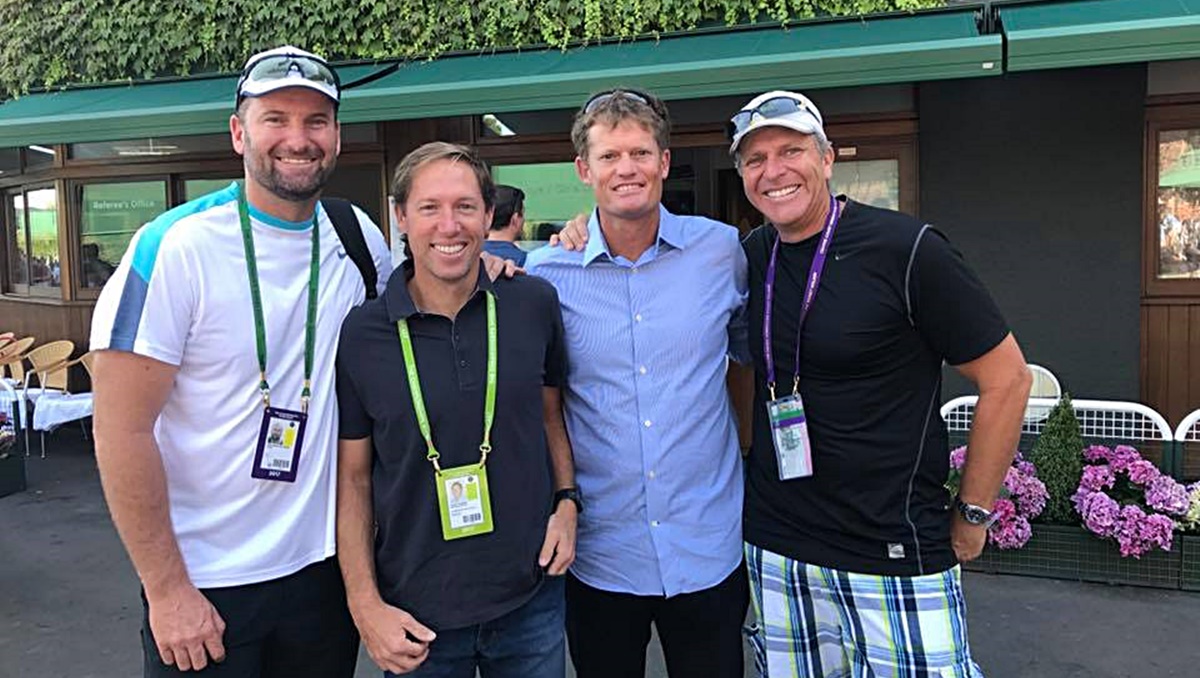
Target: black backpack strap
{"type": "Point", "coordinates": [345, 223]}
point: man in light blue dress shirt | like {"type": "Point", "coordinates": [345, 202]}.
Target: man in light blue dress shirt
{"type": "Point", "coordinates": [652, 307]}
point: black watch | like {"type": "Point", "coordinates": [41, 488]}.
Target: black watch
{"type": "Point", "coordinates": [571, 493]}
{"type": "Point", "coordinates": [975, 515]}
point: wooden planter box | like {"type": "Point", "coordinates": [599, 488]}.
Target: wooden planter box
{"type": "Point", "coordinates": [1068, 552]}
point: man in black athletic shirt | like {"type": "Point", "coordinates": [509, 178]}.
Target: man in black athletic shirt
{"type": "Point", "coordinates": [852, 541]}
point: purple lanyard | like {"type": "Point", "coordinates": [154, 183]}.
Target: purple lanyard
{"type": "Point", "coordinates": [810, 293]}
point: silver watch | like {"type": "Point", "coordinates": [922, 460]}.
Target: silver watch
{"type": "Point", "coordinates": [975, 515]}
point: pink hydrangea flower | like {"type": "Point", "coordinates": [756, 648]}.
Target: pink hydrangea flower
{"type": "Point", "coordinates": [1124, 497]}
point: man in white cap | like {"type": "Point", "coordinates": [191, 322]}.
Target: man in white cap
{"type": "Point", "coordinates": [221, 324]}
{"type": "Point", "coordinates": [852, 542]}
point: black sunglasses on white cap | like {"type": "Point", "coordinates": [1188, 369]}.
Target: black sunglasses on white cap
{"type": "Point", "coordinates": [287, 66]}
{"type": "Point", "coordinates": [775, 109]}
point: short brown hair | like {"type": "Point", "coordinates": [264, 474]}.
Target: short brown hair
{"type": "Point", "coordinates": [433, 151]}
{"type": "Point", "coordinates": [615, 106]}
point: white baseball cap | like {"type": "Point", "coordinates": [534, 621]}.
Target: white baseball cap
{"type": "Point", "coordinates": [775, 109]}
{"type": "Point", "coordinates": [287, 66]}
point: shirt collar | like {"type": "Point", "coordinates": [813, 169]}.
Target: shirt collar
{"type": "Point", "coordinates": [399, 302]}
{"type": "Point", "coordinates": [670, 232]}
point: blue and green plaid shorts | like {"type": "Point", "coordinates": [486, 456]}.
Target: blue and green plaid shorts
{"type": "Point", "coordinates": [817, 622]}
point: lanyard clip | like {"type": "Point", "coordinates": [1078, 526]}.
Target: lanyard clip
{"type": "Point", "coordinates": [305, 396]}
{"type": "Point", "coordinates": [432, 455]}
{"type": "Point", "coordinates": [771, 389]}
{"type": "Point", "coordinates": [264, 388]}
{"type": "Point", "coordinates": [796, 385]}
{"type": "Point", "coordinates": [484, 449]}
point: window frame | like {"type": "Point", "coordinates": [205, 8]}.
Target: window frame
{"type": "Point", "coordinates": [29, 290]}
{"type": "Point", "coordinates": [75, 188]}
{"type": "Point", "coordinates": [1165, 114]}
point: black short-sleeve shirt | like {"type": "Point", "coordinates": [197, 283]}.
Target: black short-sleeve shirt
{"type": "Point", "coordinates": [453, 584]}
{"type": "Point", "coordinates": [870, 379]}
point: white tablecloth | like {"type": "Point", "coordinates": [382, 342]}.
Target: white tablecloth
{"type": "Point", "coordinates": [54, 409]}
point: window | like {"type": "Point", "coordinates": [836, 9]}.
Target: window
{"type": "Point", "coordinates": [1177, 202]}
{"type": "Point", "coordinates": [109, 215]}
{"type": "Point", "coordinates": [1171, 207]}
{"type": "Point", "coordinates": [194, 188]}
{"type": "Point", "coordinates": [553, 195]}
{"type": "Point", "coordinates": [152, 148]}
{"type": "Point", "coordinates": [10, 162]}
{"type": "Point", "coordinates": [39, 157]}
{"type": "Point", "coordinates": [31, 238]}
{"type": "Point", "coordinates": [872, 182]}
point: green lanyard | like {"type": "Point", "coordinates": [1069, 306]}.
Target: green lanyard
{"type": "Point", "coordinates": [414, 387]}
{"type": "Point", "coordinates": [260, 332]}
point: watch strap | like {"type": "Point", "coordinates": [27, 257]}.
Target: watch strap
{"type": "Point", "coordinates": [571, 493]}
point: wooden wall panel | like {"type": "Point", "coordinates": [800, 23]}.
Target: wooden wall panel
{"type": "Point", "coordinates": [50, 322]}
{"type": "Point", "coordinates": [1171, 357]}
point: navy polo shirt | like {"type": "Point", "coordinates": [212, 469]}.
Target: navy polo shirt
{"type": "Point", "coordinates": [453, 584]}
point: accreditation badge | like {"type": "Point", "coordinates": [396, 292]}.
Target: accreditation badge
{"type": "Point", "coordinates": [464, 502]}
{"type": "Point", "coordinates": [789, 431]}
{"type": "Point", "coordinates": [279, 441]}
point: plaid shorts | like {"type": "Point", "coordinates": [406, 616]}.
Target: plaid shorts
{"type": "Point", "coordinates": [817, 622]}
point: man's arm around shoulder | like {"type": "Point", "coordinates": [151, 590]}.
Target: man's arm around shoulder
{"type": "Point", "coordinates": [130, 391]}
{"type": "Point", "coordinates": [394, 639]}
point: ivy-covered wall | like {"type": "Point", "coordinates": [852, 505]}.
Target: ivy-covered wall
{"type": "Point", "coordinates": [49, 43]}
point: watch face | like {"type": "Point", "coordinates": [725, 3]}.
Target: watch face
{"type": "Point", "coordinates": [975, 515]}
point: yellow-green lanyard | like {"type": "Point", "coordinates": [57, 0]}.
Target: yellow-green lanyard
{"type": "Point", "coordinates": [414, 387]}
{"type": "Point", "coordinates": [260, 332]}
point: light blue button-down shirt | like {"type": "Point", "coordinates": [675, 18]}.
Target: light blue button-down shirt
{"type": "Point", "coordinates": [656, 447]}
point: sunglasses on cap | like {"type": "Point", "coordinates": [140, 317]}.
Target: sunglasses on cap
{"type": "Point", "coordinates": [604, 97]}
{"type": "Point", "coordinates": [258, 75]}
{"type": "Point", "coordinates": [775, 107]}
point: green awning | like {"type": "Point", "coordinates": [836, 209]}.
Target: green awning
{"type": "Point", "coordinates": [873, 50]}
{"type": "Point", "coordinates": [1093, 32]}
{"type": "Point", "coordinates": [910, 48]}
{"type": "Point", "coordinates": [199, 105]}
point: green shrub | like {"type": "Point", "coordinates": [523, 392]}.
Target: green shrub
{"type": "Point", "coordinates": [1058, 456]}
{"type": "Point", "coordinates": [50, 43]}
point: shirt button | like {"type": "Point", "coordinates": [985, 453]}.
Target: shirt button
{"type": "Point", "coordinates": [654, 523]}
{"type": "Point", "coordinates": [638, 317]}
{"type": "Point", "coordinates": [642, 369]}
{"type": "Point", "coordinates": [650, 475]}
{"type": "Point", "coordinates": [646, 423]}
{"type": "Point", "coordinates": [462, 363]}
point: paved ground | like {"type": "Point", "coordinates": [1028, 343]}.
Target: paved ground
{"type": "Point", "coordinates": [68, 599]}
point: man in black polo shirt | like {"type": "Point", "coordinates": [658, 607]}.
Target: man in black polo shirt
{"type": "Point", "coordinates": [851, 540]}
{"type": "Point", "coordinates": [466, 481]}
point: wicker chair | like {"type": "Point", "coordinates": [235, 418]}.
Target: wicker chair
{"type": "Point", "coordinates": [43, 375]}
{"type": "Point", "coordinates": [12, 360]}
{"type": "Point", "coordinates": [56, 405]}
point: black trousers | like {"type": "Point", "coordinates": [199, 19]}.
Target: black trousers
{"type": "Point", "coordinates": [700, 632]}
{"type": "Point", "coordinates": [297, 626]}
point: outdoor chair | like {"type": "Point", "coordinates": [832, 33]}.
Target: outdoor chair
{"type": "Point", "coordinates": [55, 407]}
{"type": "Point", "coordinates": [1045, 385]}
{"type": "Point", "coordinates": [12, 360]}
{"type": "Point", "coordinates": [12, 373]}
{"type": "Point", "coordinates": [47, 380]}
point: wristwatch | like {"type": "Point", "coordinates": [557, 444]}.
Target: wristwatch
{"type": "Point", "coordinates": [571, 493]}
{"type": "Point", "coordinates": [975, 515]}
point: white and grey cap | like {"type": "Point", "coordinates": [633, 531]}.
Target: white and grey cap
{"type": "Point", "coordinates": [287, 66]}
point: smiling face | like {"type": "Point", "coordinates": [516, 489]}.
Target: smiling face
{"type": "Point", "coordinates": [446, 220]}
{"type": "Point", "coordinates": [786, 177]}
{"type": "Point", "coordinates": [625, 168]}
{"type": "Point", "coordinates": [289, 140]}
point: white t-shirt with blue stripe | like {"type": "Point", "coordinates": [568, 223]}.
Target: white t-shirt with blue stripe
{"type": "Point", "coordinates": [181, 295]}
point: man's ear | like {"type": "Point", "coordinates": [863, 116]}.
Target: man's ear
{"type": "Point", "coordinates": [237, 134]}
